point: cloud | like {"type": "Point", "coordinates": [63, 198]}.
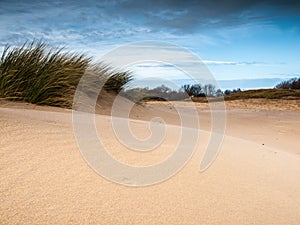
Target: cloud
{"type": "Point", "coordinates": [190, 15]}
{"type": "Point", "coordinates": [65, 22]}
{"type": "Point", "coordinates": [73, 22]}
{"type": "Point", "coordinates": [207, 62]}
{"type": "Point", "coordinates": [128, 18]}
{"type": "Point", "coordinates": [233, 63]}
{"type": "Point", "coordinates": [213, 62]}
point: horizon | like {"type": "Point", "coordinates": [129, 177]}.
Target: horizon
{"type": "Point", "coordinates": [247, 45]}
{"type": "Point", "coordinates": [243, 84]}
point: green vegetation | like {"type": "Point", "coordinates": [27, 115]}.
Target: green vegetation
{"type": "Point", "coordinates": [198, 90]}
{"type": "Point", "coordinates": [265, 93]}
{"type": "Point", "coordinates": [199, 93]}
{"type": "Point", "coordinates": [161, 93]}
{"type": "Point", "coordinates": [117, 80]}
{"type": "Point", "coordinates": [164, 93]}
{"type": "Point", "coordinates": [37, 74]}
{"type": "Point", "coordinates": [285, 90]}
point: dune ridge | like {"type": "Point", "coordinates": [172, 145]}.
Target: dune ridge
{"type": "Point", "coordinates": [44, 178]}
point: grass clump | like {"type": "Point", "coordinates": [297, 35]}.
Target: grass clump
{"type": "Point", "coordinates": [40, 75]}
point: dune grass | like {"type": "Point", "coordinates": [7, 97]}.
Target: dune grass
{"type": "Point", "coordinates": [260, 93]}
{"type": "Point", "coordinates": [40, 75]}
{"type": "Point", "coordinates": [265, 93]}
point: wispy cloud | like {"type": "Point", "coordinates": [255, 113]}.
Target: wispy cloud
{"type": "Point", "coordinates": [232, 63]}
{"type": "Point", "coordinates": [214, 62]}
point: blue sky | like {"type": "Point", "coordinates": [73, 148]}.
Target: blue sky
{"type": "Point", "coordinates": [245, 44]}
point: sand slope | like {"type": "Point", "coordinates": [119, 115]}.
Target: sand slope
{"type": "Point", "coordinates": [45, 180]}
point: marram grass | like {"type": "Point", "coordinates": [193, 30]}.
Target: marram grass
{"type": "Point", "coordinates": [40, 75]}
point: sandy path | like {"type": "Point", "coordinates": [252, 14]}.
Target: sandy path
{"type": "Point", "coordinates": [45, 180]}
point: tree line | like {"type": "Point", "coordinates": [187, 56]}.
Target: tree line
{"type": "Point", "coordinates": [165, 93]}
{"type": "Point", "coordinates": [192, 90]}
{"type": "Point", "coordinates": [293, 83]}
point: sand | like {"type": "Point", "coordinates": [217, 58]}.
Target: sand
{"type": "Point", "coordinates": [254, 180]}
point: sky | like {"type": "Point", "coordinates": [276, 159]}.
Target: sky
{"type": "Point", "coordinates": [245, 44]}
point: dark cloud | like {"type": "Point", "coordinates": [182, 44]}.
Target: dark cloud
{"type": "Point", "coordinates": [211, 7]}
{"type": "Point", "coordinates": [189, 14]}
{"type": "Point", "coordinates": [115, 19]}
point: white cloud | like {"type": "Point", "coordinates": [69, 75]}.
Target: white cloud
{"type": "Point", "coordinates": [215, 62]}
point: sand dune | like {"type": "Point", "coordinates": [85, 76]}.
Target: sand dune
{"type": "Point", "coordinates": [45, 180]}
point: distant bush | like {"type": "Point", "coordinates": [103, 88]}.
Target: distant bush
{"type": "Point", "coordinates": [164, 93]}
{"type": "Point", "coordinates": [197, 90]}
{"type": "Point", "coordinates": [161, 93]}
{"type": "Point", "coordinates": [293, 83]}
{"type": "Point", "coordinates": [228, 92]}
{"type": "Point", "coordinates": [194, 90]}
{"type": "Point", "coordinates": [40, 75]}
